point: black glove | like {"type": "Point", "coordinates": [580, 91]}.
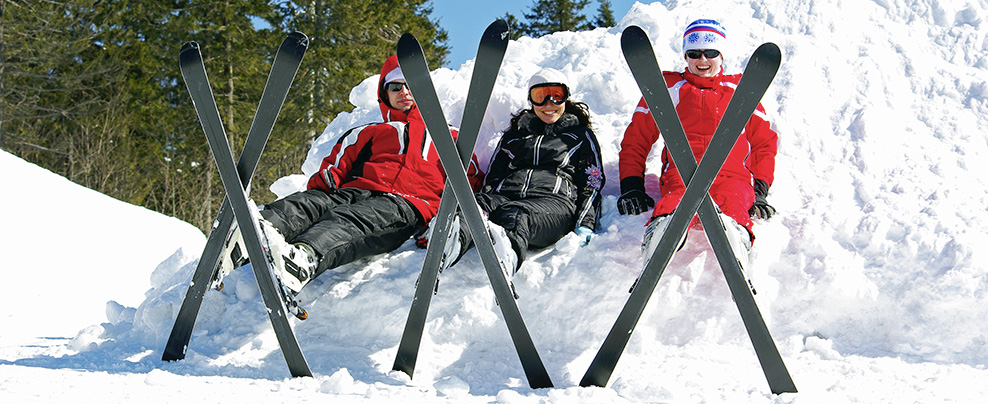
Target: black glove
{"type": "Point", "coordinates": [633, 199]}
{"type": "Point", "coordinates": [761, 209]}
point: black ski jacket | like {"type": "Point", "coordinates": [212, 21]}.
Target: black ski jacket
{"type": "Point", "coordinates": [557, 160]}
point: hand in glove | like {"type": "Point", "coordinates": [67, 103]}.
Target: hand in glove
{"type": "Point", "coordinates": [633, 199]}
{"type": "Point", "coordinates": [761, 209]}
{"type": "Point", "coordinates": [422, 237]}
{"type": "Point", "coordinates": [322, 180]}
{"type": "Point", "coordinates": [584, 233]}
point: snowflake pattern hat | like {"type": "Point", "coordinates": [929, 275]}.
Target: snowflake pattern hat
{"type": "Point", "coordinates": [705, 34]}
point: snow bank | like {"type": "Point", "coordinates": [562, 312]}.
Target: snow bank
{"type": "Point", "coordinates": [68, 250]}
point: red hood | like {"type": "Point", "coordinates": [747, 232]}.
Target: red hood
{"type": "Point", "coordinates": [388, 113]}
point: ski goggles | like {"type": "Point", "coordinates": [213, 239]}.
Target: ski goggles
{"type": "Point", "coordinates": [558, 92]}
{"type": "Point", "coordinates": [696, 53]}
{"type": "Point", "coordinates": [395, 86]}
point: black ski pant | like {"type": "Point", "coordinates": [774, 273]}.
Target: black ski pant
{"type": "Point", "coordinates": [534, 222]}
{"type": "Point", "coordinates": [345, 225]}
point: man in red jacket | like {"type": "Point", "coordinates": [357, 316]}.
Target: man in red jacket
{"type": "Point", "coordinates": [380, 184]}
{"type": "Point", "coordinates": [701, 93]}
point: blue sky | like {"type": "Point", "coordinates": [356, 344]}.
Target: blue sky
{"type": "Point", "coordinates": [465, 20]}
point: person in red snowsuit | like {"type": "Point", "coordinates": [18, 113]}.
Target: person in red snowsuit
{"type": "Point", "coordinates": [701, 93]}
{"type": "Point", "coordinates": [380, 184]}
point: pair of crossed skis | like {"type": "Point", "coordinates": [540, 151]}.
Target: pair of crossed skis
{"type": "Point", "coordinates": [236, 206]}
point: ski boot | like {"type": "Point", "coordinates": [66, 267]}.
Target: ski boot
{"type": "Point", "coordinates": [293, 265]}
{"type": "Point", "coordinates": [233, 256]}
{"type": "Point", "coordinates": [506, 256]}
{"type": "Point", "coordinates": [740, 240]}
{"type": "Point", "coordinates": [451, 251]}
{"type": "Point", "coordinates": [654, 230]}
{"type": "Point", "coordinates": [291, 304]}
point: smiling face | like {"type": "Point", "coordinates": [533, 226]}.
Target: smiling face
{"type": "Point", "coordinates": [401, 99]}
{"type": "Point", "coordinates": [548, 101]}
{"type": "Point", "coordinates": [550, 112]}
{"type": "Point", "coordinates": [704, 67]}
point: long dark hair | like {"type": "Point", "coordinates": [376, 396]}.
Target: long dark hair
{"type": "Point", "coordinates": [579, 109]}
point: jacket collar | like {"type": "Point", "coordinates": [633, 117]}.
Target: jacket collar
{"type": "Point", "coordinates": [704, 82]}
{"type": "Point", "coordinates": [534, 125]}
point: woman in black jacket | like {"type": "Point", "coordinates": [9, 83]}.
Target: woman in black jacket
{"type": "Point", "coordinates": [545, 176]}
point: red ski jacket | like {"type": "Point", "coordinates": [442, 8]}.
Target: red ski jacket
{"type": "Point", "coordinates": [396, 156]}
{"type": "Point", "coordinates": [700, 103]}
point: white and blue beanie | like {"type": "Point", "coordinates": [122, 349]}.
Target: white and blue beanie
{"type": "Point", "coordinates": [705, 34]}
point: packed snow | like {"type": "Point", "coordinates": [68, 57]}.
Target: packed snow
{"type": "Point", "coordinates": [871, 277]}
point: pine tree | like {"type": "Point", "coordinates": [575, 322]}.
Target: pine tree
{"type": "Point", "coordinates": [56, 89]}
{"type": "Point", "coordinates": [548, 16]}
{"type": "Point", "coordinates": [605, 15]}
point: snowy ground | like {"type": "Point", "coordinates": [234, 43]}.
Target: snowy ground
{"type": "Point", "coordinates": [872, 276]}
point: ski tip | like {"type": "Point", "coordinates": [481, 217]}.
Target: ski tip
{"type": "Point", "coordinates": [407, 40]}
{"type": "Point", "coordinates": [769, 50]}
{"type": "Point", "coordinates": [190, 45]}
{"type": "Point", "coordinates": [295, 44]}
{"type": "Point", "coordinates": [189, 53]}
{"type": "Point", "coordinates": [300, 38]}
{"type": "Point", "coordinates": [499, 29]}
{"type": "Point", "coordinates": [408, 46]}
{"type": "Point", "coordinates": [767, 58]}
{"type": "Point", "coordinates": [634, 37]}
{"type": "Point", "coordinates": [632, 32]}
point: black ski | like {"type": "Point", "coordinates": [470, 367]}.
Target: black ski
{"type": "Point", "coordinates": [416, 70]}
{"type": "Point", "coordinates": [758, 75]}
{"type": "Point", "coordinates": [244, 211]}
{"type": "Point", "coordinates": [280, 78]}
{"type": "Point", "coordinates": [485, 69]}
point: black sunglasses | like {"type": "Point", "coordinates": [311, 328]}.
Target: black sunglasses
{"type": "Point", "coordinates": [709, 53]}
{"type": "Point", "coordinates": [395, 86]}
